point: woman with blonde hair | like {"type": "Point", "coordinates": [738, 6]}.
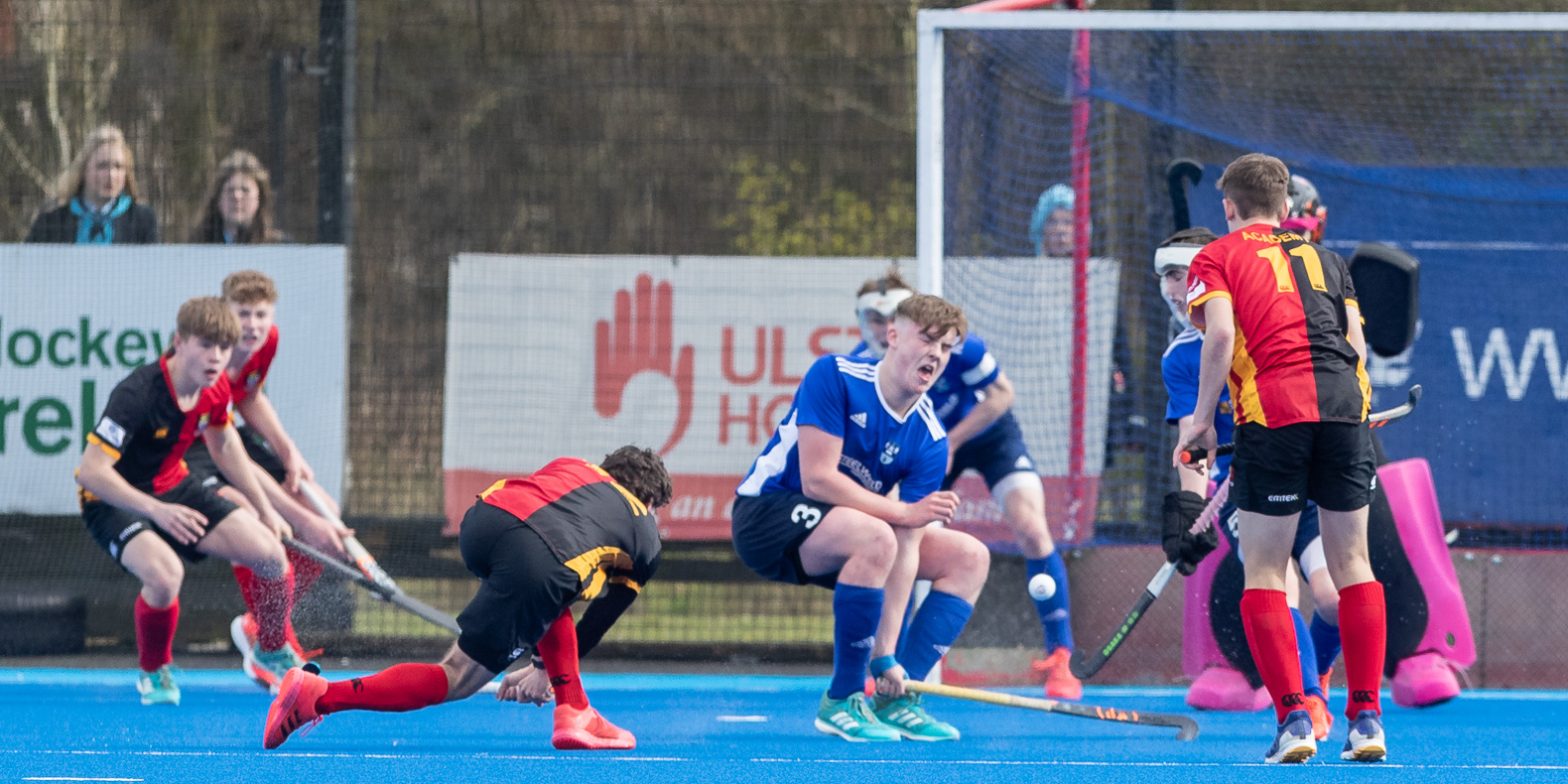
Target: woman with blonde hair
{"type": "Point", "coordinates": [96, 198]}
{"type": "Point", "coordinates": [238, 208]}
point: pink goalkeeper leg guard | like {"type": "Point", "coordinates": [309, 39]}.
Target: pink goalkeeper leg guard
{"type": "Point", "coordinates": [1216, 685]}
{"type": "Point", "coordinates": [1427, 677]}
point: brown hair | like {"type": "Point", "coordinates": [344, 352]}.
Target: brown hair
{"type": "Point", "coordinates": [248, 287]}
{"type": "Point", "coordinates": [209, 319]}
{"type": "Point", "coordinates": [69, 184]}
{"type": "Point", "coordinates": [210, 229]}
{"type": "Point", "coordinates": [890, 280]}
{"type": "Point", "coordinates": [1256, 184]}
{"type": "Point", "coordinates": [934, 315]}
{"type": "Point", "coordinates": [641, 472]}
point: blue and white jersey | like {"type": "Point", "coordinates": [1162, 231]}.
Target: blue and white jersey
{"type": "Point", "coordinates": [1179, 366]}
{"type": "Point", "coordinates": [962, 384]}
{"type": "Point", "coordinates": [861, 351]}
{"type": "Point", "coordinates": [839, 396]}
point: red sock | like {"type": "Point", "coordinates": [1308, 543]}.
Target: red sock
{"type": "Point", "coordinates": [1362, 619]}
{"type": "Point", "coordinates": [274, 602]}
{"type": "Point", "coordinates": [306, 570]}
{"type": "Point", "coordinates": [246, 580]}
{"type": "Point", "coordinates": [401, 687]}
{"type": "Point", "coordinates": [558, 648]}
{"type": "Point", "coordinates": [155, 633]}
{"type": "Point", "coordinates": [1271, 636]}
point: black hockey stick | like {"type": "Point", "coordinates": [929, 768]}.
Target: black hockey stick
{"type": "Point", "coordinates": [1086, 662]}
{"type": "Point", "coordinates": [1186, 727]}
{"type": "Point", "coordinates": [1375, 420]}
{"type": "Point", "coordinates": [393, 595]}
{"type": "Point", "coordinates": [1177, 174]}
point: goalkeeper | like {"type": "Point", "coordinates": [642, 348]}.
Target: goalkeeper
{"type": "Point", "coordinates": [572, 529]}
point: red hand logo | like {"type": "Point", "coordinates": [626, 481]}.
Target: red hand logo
{"type": "Point", "coordinates": [641, 338]}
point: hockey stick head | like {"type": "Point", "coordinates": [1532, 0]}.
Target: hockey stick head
{"type": "Point", "coordinates": [1178, 173]}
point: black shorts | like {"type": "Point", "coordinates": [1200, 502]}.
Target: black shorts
{"type": "Point", "coordinates": [201, 464]}
{"type": "Point", "coordinates": [768, 531]}
{"type": "Point", "coordinates": [995, 454]}
{"type": "Point", "coordinates": [523, 589]}
{"type": "Point", "coordinates": [1276, 470]}
{"type": "Point", "coordinates": [112, 527]}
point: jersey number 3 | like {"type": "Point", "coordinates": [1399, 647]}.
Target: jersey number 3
{"type": "Point", "coordinates": [1283, 278]}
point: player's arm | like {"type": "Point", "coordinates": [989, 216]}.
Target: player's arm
{"type": "Point", "coordinates": [260, 415]}
{"type": "Point", "coordinates": [998, 399]}
{"type": "Point", "coordinates": [821, 480]}
{"type": "Point", "coordinates": [1355, 333]}
{"type": "Point", "coordinates": [1219, 342]}
{"type": "Point", "coordinates": [96, 475]}
{"type": "Point", "coordinates": [227, 451]}
{"type": "Point", "coordinates": [1192, 481]}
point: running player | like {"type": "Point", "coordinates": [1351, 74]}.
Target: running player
{"type": "Point", "coordinates": [134, 481]}
{"type": "Point", "coordinates": [1281, 322]}
{"type": "Point", "coordinates": [815, 509]}
{"type": "Point", "coordinates": [1222, 686]}
{"type": "Point", "coordinates": [571, 530]}
{"type": "Point", "coordinates": [280, 468]}
{"type": "Point", "coordinates": [973, 398]}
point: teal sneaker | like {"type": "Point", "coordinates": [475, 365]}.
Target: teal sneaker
{"type": "Point", "coordinates": [158, 687]}
{"type": "Point", "coordinates": [851, 719]}
{"type": "Point", "coordinates": [269, 667]}
{"type": "Point", "coordinates": [905, 715]}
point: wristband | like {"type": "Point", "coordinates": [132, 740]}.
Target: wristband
{"type": "Point", "coordinates": [882, 664]}
{"type": "Point", "coordinates": [537, 662]}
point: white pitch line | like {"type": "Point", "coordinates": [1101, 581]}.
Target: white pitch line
{"type": "Point", "coordinates": [72, 778]}
{"type": "Point", "coordinates": [750, 719]}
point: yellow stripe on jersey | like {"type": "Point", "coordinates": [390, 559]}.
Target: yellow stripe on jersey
{"type": "Point", "coordinates": [638, 507]}
{"type": "Point", "coordinates": [499, 483]}
{"type": "Point", "coordinates": [1205, 297]}
{"type": "Point", "coordinates": [628, 582]}
{"type": "Point", "coordinates": [92, 438]}
{"type": "Point", "coordinates": [592, 567]}
{"type": "Point", "coordinates": [1244, 385]}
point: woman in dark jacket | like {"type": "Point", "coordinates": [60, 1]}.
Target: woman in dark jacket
{"type": "Point", "coordinates": [238, 209]}
{"type": "Point", "coordinates": [96, 198]}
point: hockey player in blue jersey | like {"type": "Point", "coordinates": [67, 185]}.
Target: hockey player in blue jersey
{"type": "Point", "coordinates": [815, 508]}
{"type": "Point", "coordinates": [974, 398]}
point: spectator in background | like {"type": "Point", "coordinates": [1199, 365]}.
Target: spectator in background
{"type": "Point", "coordinates": [96, 199]}
{"type": "Point", "coordinates": [238, 208]}
{"type": "Point", "coordinates": [1051, 227]}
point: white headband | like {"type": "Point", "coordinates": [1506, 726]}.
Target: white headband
{"type": "Point", "coordinates": [1174, 256]}
{"type": "Point", "coordinates": [882, 302]}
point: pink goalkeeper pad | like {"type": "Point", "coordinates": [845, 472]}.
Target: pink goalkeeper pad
{"type": "Point", "coordinates": [1408, 484]}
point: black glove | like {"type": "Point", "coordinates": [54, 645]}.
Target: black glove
{"type": "Point", "coordinates": [1185, 549]}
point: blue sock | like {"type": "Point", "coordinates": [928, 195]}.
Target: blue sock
{"type": "Point", "coordinates": [936, 626]}
{"type": "Point", "coordinates": [1308, 656]}
{"type": "Point", "coordinates": [1325, 638]}
{"type": "Point", "coordinates": [1055, 612]}
{"type": "Point", "coordinates": [856, 612]}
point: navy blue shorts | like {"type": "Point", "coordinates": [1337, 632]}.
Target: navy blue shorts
{"type": "Point", "coordinates": [768, 531]}
{"type": "Point", "coordinates": [997, 452]}
{"type": "Point", "coordinates": [1306, 549]}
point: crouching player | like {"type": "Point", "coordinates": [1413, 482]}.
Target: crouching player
{"type": "Point", "coordinates": [570, 530]}
{"type": "Point", "coordinates": [814, 509]}
{"type": "Point", "coordinates": [134, 481]}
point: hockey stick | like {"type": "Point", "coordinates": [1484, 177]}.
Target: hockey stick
{"type": "Point", "coordinates": [362, 557]}
{"type": "Point", "coordinates": [1186, 727]}
{"type": "Point", "coordinates": [393, 595]}
{"type": "Point", "coordinates": [1177, 173]}
{"type": "Point", "coordinates": [1085, 662]}
{"type": "Point", "coordinates": [1375, 420]}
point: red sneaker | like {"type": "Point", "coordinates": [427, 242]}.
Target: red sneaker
{"type": "Point", "coordinates": [294, 707]}
{"type": "Point", "coordinates": [586, 730]}
{"type": "Point", "coordinates": [1060, 682]}
{"type": "Point", "coordinates": [1322, 720]}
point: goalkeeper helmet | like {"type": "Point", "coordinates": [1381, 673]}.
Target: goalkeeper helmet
{"type": "Point", "coordinates": [1307, 215]}
{"type": "Point", "coordinates": [874, 307]}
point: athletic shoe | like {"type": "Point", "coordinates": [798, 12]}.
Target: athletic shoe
{"type": "Point", "coordinates": [1323, 682]}
{"type": "Point", "coordinates": [158, 687]}
{"type": "Point", "coordinates": [269, 667]}
{"type": "Point", "coordinates": [1293, 742]}
{"type": "Point", "coordinates": [911, 720]}
{"type": "Point", "coordinates": [1222, 688]}
{"type": "Point", "coordinates": [1060, 682]}
{"type": "Point", "coordinates": [294, 707]}
{"type": "Point", "coordinates": [1322, 720]}
{"type": "Point", "coordinates": [1364, 742]}
{"type": "Point", "coordinates": [1424, 680]}
{"type": "Point", "coordinates": [853, 720]}
{"type": "Point", "coordinates": [585, 729]}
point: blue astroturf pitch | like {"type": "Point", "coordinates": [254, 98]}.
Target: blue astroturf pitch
{"type": "Point", "coordinates": [87, 725]}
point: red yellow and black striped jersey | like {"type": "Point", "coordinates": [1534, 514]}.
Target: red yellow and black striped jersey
{"type": "Point", "coordinates": [145, 431]}
{"type": "Point", "coordinates": [596, 527]}
{"type": "Point", "coordinates": [1292, 361]}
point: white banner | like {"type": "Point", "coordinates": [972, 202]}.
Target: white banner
{"type": "Point", "coordinates": [76, 320]}
{"type": "Point", "coordinates": [698, 357]}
